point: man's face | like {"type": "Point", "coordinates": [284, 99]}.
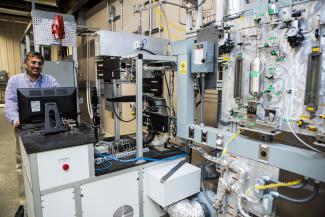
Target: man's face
{"type": "Point", "coordinates": [34, 66]}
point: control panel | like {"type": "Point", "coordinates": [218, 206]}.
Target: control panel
{"type": "Point", "coordinates": [203, 57]}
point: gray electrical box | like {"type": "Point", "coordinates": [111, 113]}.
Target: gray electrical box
{"type": "Point", "coordinates": [203, 57]}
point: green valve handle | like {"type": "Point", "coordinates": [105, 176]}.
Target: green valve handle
{"type": "Point", "coordinates": [251, 124]}
{"type": "Point", "coordinates": [280, 59]}
{"type": "Point", "coordinates": [271, 12]}
{"type": "Point", "coordinates": [272, 38]}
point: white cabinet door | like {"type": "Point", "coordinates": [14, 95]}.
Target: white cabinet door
{"type": "Point", "coordinates": [114, 196]}
{"type": "Point", "coordinates": [61, 203]}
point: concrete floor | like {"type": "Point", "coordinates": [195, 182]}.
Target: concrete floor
{"type": "Point", "coordinates": [8, 178]}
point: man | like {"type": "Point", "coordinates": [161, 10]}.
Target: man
{"type": "Point", "coordinates": [31, 78]}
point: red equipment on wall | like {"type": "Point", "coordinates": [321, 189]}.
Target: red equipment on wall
{"type": "Point", "coordinates": [58, 27]}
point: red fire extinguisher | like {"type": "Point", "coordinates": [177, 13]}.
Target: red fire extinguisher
{"type": "Point", "coordinates": [58, 27]}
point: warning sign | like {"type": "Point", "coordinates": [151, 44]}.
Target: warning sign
{"type": "Point", "coordinates": [183, 66]}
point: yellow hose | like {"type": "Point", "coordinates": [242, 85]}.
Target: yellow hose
{"type": "Point", "coordinates": [159, 15]}
{"type": "Point", "coordinates": [180, 29]}
{"type": "Point", "coordinates": [280, 184]}
{"type": "Point", "coordinates": [232, 138]}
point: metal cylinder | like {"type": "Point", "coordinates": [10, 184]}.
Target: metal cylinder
{"type": "Point", "coordinates": [228, 10]}
{"type": "Point", "coordinates": [255, 84]}
{"type": "Point", "coordinates": [232, 7]}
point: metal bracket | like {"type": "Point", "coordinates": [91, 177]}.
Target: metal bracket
{"type": "Point", "coordinates": [172, 171]}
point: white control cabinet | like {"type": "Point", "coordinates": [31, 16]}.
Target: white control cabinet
{"type": "Point", "coordinates": [62, 183]}
{"type": "Point", "coordinates": [49, 179]}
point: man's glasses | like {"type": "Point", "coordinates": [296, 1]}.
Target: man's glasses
{"type": "Point", "coordinates": [36, 62]}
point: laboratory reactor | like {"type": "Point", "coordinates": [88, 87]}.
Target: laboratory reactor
{"type": "Point", "coordinates": [262, 65]}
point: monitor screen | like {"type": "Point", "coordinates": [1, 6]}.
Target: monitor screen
{"type": "Point", "coordinates": [31, 103]}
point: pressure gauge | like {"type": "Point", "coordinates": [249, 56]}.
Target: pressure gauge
{"type": "Point", "coordinates": [292, 32]}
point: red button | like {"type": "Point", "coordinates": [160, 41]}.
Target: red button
{"type": "Point", "coordinates": [65, 167]}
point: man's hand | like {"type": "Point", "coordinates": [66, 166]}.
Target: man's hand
{"type": "Point", "coordinates": [16, 124]}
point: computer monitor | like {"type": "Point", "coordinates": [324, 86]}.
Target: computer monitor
{"type": "Point", "coordinates": [31, 103]}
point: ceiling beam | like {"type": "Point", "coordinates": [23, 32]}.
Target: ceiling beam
{"type": "Point", "coordinates": [20, 5]}
{"type": "Point", "coordinates": [15, 12]}
{"type": "Point", "coordinates": [77, 6]}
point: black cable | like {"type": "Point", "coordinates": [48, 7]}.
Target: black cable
{"type": "Point", "coordinates": [169, 95]}
{"type": "Point", "coordinates": [170, 99]}
{"type": "Point", "coordinates": [155, 107]}
{"type": "Point", "coordinates": [148, 51]}
{"type": "Point", "coordinates": [150, 135]}
{"type": "Point", "coordinates": [118, 117]}
{"type": "Point", "coordinates": [302, 200]}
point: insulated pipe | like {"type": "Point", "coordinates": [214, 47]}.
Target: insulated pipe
{"type": "Point", "coordinates": [219, 12]}
{"type": "Point", "coordinates": [139, 106]}
{"type": "Point", "coordinates": [140, 23]}
{"type": "Point", "coordinates": [232, 7]}
{"type": "Point", "coordinates": [107, 13]}
{"type": "Point", "coordinates": [122, 15]}
{"type": "Point", "coordinates": [88, 78]}
{"type": "Point", "coordinates": [199, 15]}
{"type": "Point", "coordinates": [150, 17]}
{"type": "Point", "coordinates": [240, 208]}
{"type": "Point", "coordinates": [228, 7]}
{"type": "Point", "coordinates": [117, 123]}
{"type": "Point", "coordinates": [27, 41]}
{"type": "Point", "coordinates": [189, 23]}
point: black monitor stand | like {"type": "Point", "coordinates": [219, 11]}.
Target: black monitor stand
{"type": "Point", "coordinates": [49, 129]}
